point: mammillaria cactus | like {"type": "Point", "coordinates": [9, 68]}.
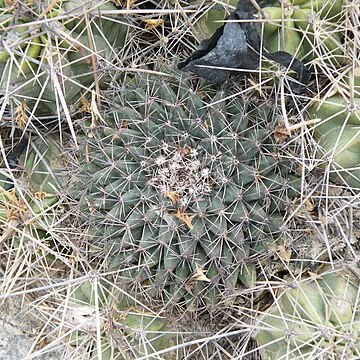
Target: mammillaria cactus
{"type": "Point", "coordinates": [47, 58]}
{"type": "Point", "coordinates": [304, 29]}
{"type": "Point", "coordinates": [180, 184]}
{"type": "Point", "coordinates": [314, 318]}
{"type": "Point", "coordinates": [339, 131]}
{"type": "Point", "coordinates": [28, 210]}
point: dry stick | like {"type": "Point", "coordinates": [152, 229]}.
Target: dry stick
{"type": "Point", "coordinates": [346, 238]}
{"type": "Point", "coordinates": [144, 11]}
{"type": "Point", "coordinates": [283, 105]}
{"type": "Point", "coordinates": [97, 314]}
{"type": "Point", "coordinates": [37, 340]}
{"type": "Point", "coordinates": [303, 123]}
{"type": "Point", "coordinates": [48, 9]}
{"type": "Point", "coordinates": [60, 93]}
{"type": "Point", "coordinates": [258, 8]}
{"type": "Point", "coordinates": [11, 228]}
{"type": "Point", "coordinates": [78, 280]}
{"type": "Point", "coordinates": [93, 57]}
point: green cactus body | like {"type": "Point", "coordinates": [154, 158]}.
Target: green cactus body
{"type": "Point", "coordinates": [44, 166]}
{"type": "Point", "coordinates": [317, 316]}
{"type": "Point", "coordinates": [108, 28]}
{"type": "Point", "coordinates": [74, 49]}
{"type": "Point", "coordinates": [25, 216]}
{"type": "Point", "coordinates": [285, 37]}
{"type": "Point", "coordinates": [305, 29]}
{"type": "Point", "coordinates": [339, 132]}
{"type": "Point", "coordinates": [187, 183]}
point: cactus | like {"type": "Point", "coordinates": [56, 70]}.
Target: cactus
{"type": "Point", "coordinates": [129, 330]}
{"type": "Point", "coordinates": [314, 318]}
{"type": "Point", "coordinates": [305, 29]}
{"type": "Point", "coordinates": [181, 186]}
{"type": "Point", "coordinates": [47, 58]}
{"type": "Point", "coordinates": [29, 209]}
{"type": "Point", "coordinates": [339, 131]}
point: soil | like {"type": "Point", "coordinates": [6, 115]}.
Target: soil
{"type": "Point", "coordinates": [18, 333]}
